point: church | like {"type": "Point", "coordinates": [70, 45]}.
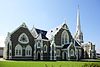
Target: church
{"type": "Point", "coordinates": [55, 44]}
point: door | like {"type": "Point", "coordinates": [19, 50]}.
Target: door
{"type": "Point", "coordinates": [38, 55]}
{"type": "Point", "coordinates": [64, 55]}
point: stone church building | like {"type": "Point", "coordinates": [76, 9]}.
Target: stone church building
{"type": "Point", "coordinates": [55, 44]}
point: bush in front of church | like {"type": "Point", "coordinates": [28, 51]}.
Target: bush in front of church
{"type": "Point", "coordinates": [91, 65]}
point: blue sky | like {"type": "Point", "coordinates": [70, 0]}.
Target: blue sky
{"type": "Point", "coordinates": [47, 14]}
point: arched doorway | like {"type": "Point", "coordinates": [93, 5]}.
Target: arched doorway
{"type": "Point", "coordinates": [38, 55]}
{"type": "Point", "coordinates": [64, 56]}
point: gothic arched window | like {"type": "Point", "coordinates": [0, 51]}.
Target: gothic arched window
{"type": "Point", "coordinates": [71, 52]}
{"type": "Point", "coordinates": [38, 44]}
{"type": "Point", "coordinates": [57, 52]}
{"type": "Point", "coordinates": [18, 50]}
{"type": "Point", "coordinates": [45, 48]}
{"type": "Point", "coordinates": [23, 38]}
{"type": "Point", "coordinates": [64, 37]}
{"type": "Point", "coordinates": [28, 50]}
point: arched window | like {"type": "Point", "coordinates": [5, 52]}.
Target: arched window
{"type": "Point", "coordinates": [45, 48]}
{"type": "Point", "coordinates": [23, 38]}
{"type": "Point", "coordinates": [64, 38]}
{"type": "Point", "coordinates": [58, 52]}
{"type": "Point", "coordinates": [79, 52]}
{"type": "Point", "coordinates": [28, 50]}
{"type": "Point", "coordinates": [38, 44]}
{"type": "Point", "coordinates": [18, 50]}
{"type": "Point", "coordinates": [71, 52]}
{"type": "Point", "coordinates": [63, 53]}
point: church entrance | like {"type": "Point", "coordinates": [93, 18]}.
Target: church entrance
{"type": "Point", "coordinates": [64, 55]}
{"type": "Point", "coordinates": [38, 55]}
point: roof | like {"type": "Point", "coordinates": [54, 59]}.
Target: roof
{"type": "Point", "coordinates": [76, 43]}
{"type": "Point", "coordinates": [54, 31]}
{"type": "Point", "coordinates": [97, 53]}
{"type": "Point", "coordinates": [22, 25]}
{"type": "Point", "coordinates": [42, 32]}
{"type": "Point", "coordinates": [65, 46]}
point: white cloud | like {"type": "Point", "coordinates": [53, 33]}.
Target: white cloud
{"type": "Point", "coordinates": [2, 39]}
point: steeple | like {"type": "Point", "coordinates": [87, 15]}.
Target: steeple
{"type": "Point", "coordinates": [78, 28]}
{"type": "Point", "coordinates": [78, 35]}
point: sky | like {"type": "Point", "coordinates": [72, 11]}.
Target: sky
{"type": "Point", "coordinates": [47, 14]}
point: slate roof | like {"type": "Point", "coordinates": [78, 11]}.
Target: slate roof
{"type": "Point", "coordinates": [65, 46]}
{"type": "Point", "coordinates": [54, 31]}
{"type": "Point", "coordinates": [43, 33]}
{"type": "Point", "coordinates": [76, 43]}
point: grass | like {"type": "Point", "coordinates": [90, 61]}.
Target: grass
{"type": "Point", "coordinates": [43, 63]}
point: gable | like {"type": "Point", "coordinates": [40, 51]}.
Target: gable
{"type": "Point", "coordinates": [71, 46]}
{"type": "Point", "coordinates": [19, 31]}
{"type": "Point", "coordinates": [54, 31]}
{"type": "Point", "coordinates": [16, 36]}
{"type": "Point", "coordinates": [58, 36]}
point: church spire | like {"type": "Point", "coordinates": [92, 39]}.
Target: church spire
{"type": "Point", "coordinates": [78, 35]}
{"type": "Point", "coordinates": [78, 28]}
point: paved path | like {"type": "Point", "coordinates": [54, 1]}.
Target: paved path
{"type": "Point", "coordinates": [1, 59]}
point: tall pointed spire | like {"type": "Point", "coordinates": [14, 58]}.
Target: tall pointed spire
{"type": "Point", "coordinates": [78, 28]}
{"type": "Point", "coordinates": [78, 35]}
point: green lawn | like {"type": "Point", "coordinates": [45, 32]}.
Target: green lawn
{"type": "Point", "coordinates": [43, 63]}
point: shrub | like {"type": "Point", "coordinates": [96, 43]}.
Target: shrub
{"type": "Point", "coordinates": [91, 65]}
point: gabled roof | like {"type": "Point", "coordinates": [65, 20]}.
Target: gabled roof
{"type": "Point", "coordinates": [76, 43]}
{"type": "Point", "coordinates": [42, 32]}
{"type": "Point", "coordinates": [34, 33]}
{"type": "Point", "coordinates": [54, 31]}
{"type": "Point", "coordinates": [39, 37]}
{"type": "Point", "coordinates": [65, 46]}
{"type": "Point", "coordinates": [22, 25]}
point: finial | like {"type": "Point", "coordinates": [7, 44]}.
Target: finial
{"type": "Point", "coordinates": [24, 25]}
{"type": "Point", "coordinates": [65, 21]}
{"type": "Point", "coordinates": [33, 28]}
{"type": "Point", "coordinates": [78, 4]}
{"type": "Point", "coordinates": [78, 8]}
{"type": "Point", "coordinates": [8, 33]}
